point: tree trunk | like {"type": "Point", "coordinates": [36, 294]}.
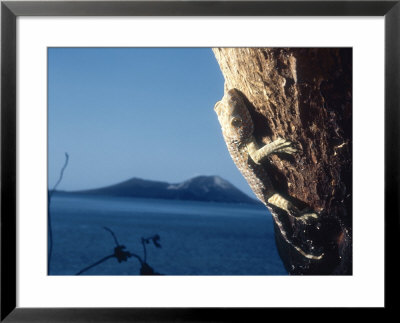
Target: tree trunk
{"type": "Point", "coordinates": [305, 96]}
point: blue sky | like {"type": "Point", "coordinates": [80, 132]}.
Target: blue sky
{"type": "Point", "coordinates": [135, 112]}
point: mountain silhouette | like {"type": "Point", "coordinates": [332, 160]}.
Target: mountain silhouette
{"type": "Point", "coordinates": [200, 188]}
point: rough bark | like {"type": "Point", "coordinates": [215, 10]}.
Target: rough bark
{"type": "Point", "coordinates": [304, 95]}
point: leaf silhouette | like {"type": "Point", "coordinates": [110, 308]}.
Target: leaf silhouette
{"type": "Point", "coordinates": [156, 240]}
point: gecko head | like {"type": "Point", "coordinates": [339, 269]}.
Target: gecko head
{"type": "Point", "coordinates": [234, 116]}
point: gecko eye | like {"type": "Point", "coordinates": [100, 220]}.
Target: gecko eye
{"type": "Point", "coordinates": [236, 122]}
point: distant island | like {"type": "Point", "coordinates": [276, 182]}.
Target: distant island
{"type": "Point", "coordinates": [200, 188]}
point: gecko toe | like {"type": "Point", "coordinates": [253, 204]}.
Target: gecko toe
{"type": "Point", "coordinates": [288, 150]}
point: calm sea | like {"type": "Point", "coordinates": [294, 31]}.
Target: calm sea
{"type": "Point", "coordinates": [197, 238]}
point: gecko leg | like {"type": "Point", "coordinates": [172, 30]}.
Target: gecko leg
{"type": "Point", "coordinates": [279, 145]}
{"type": "Point", "coordinates": [281, 202]}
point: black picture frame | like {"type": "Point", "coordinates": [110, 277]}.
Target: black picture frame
{"type": "Point", "coordinates": [10, 10]}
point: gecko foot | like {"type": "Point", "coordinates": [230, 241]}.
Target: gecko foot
{"type": "Point", "coordinates": [283, 203]}
{"type": "Point", "coordinates": [284, 146]}
{"type": "Point", "coordinates": [304, 216]}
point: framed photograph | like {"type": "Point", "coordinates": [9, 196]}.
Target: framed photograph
{"type": "Point", "coordinates": [231, 152]}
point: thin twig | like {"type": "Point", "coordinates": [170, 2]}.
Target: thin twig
{"type": "Point", "coordinates": [137, 257]}
{"type": "Point", "coordinates": [50, 194]}
{"type": "Point", "coordinates": [113, 234]}
{"type": "Point", "coordinates": [96, 263]}
{"type": "Point", "coordinates": [144, 250]}
{"type": "Point", "coordinates": [119, 254]}
{"type": "Point", "coordinates": [61, 176]}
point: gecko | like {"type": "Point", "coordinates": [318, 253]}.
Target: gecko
{"type": "Point", "coordinates": [237, 129]}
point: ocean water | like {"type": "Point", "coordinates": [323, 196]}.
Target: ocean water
{"type": "Point", "coordinates": [197, 238]}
